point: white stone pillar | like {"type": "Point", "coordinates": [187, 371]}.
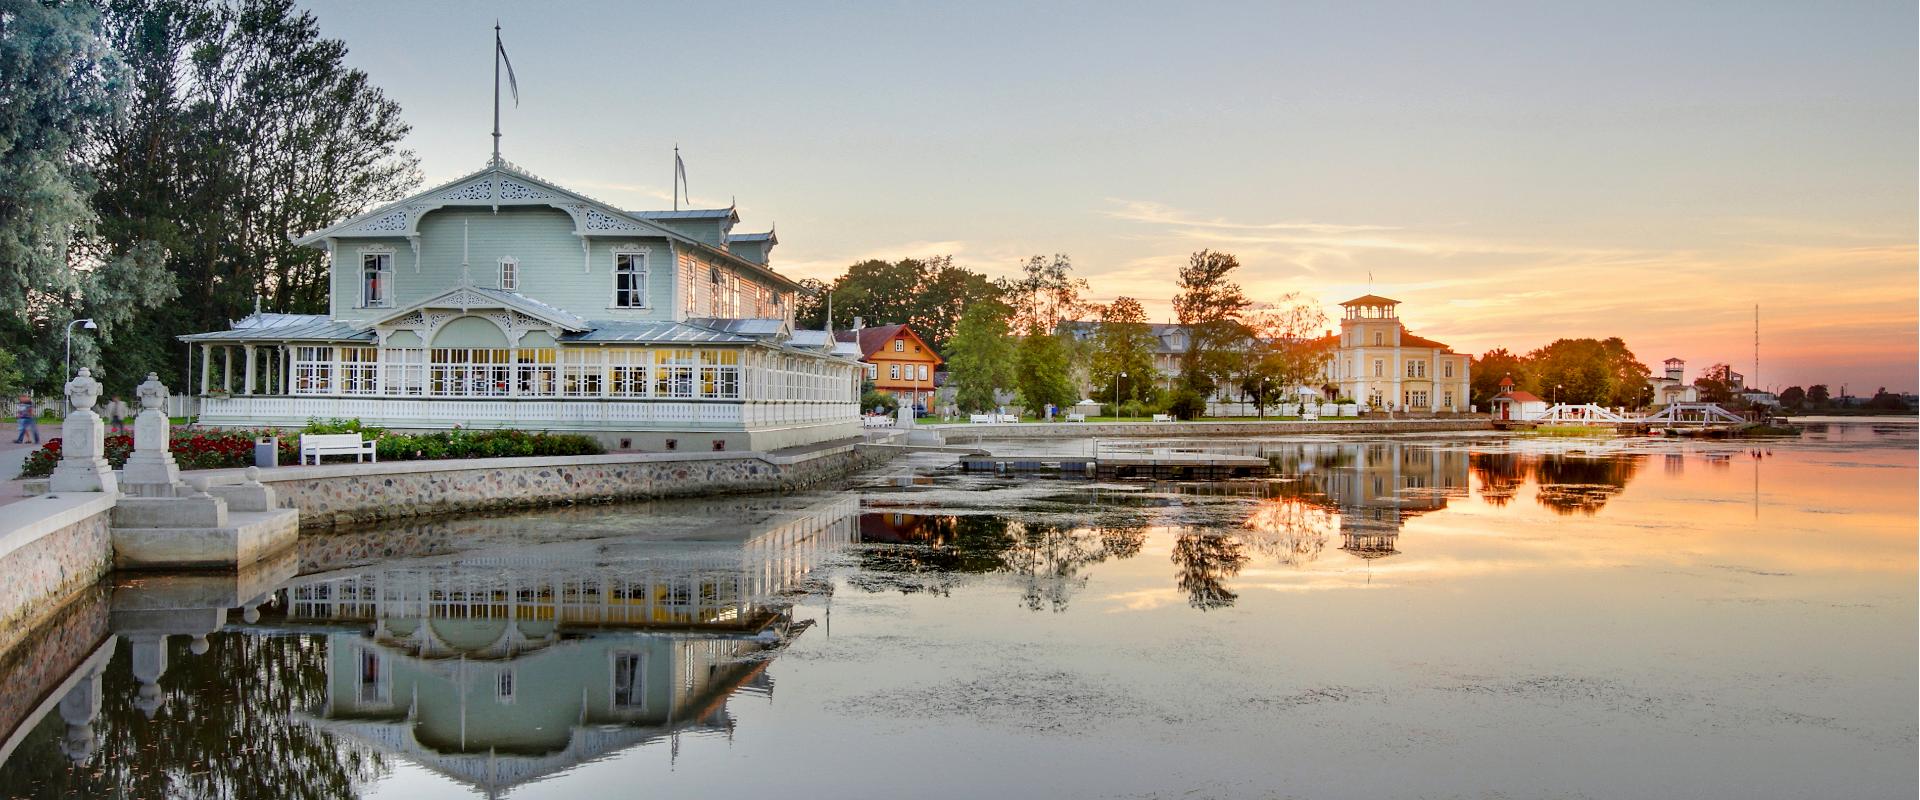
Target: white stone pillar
{"type": "Point", "coordinates": [253, 367]}
{"type": "Point", "coordinates": [151, 471]}
{"type": "Point", "coordinates": [206, 369]}
{"type": "Point", "coordinates": [226, 369]}
{"type": "Point", "coordinates": [83, 449]}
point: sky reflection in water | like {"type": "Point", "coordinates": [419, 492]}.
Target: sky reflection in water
{"type": "Point", "coordinates": [1620, 618]}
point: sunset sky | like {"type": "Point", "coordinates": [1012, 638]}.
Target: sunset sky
{"type": "Point", "coordinates": [1513, 172]}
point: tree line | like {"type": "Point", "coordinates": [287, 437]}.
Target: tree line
{"type": "Point", "coordinates": [153, 151]}
{"type": "Point", "coordinates": [1038, 336]}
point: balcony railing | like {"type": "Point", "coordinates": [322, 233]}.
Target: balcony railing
{"type": "Point", "coordinates": [528, 414]}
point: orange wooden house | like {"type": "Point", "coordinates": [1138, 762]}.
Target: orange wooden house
{"type": "Point", "coordinates": [898, 361]}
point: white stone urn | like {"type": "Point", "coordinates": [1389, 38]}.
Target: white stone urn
{"type": "Point", "coordinates": [151, 470]}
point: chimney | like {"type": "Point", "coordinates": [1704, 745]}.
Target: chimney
{"type": "Point", "coordinates": [858, 323]}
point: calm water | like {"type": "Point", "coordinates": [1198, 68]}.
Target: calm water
{"type": "Point", "coordinates": [1458, 617]}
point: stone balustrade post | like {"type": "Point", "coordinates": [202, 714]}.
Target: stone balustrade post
{"type": "Point", "coordinates": [151, 470]}
{"type": "Point", "coordinates": [83, 442]}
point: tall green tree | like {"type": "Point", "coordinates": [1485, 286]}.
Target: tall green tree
{"type": "Point", "coordinates": [980, 357]}
{"type": "Point", "coordinates": [1818, 395]}
{"type": "Point", "coordinates": [1490, 368]}
{"type": "Point", "coordinates": [247, 129]}
{"type": "Point", "coordinates": [64, 89]}
{"type": "Point", "coordinates": [1286, 350]}
{"type": "Point", "coordinates": [1045, 294]}
{"type": "Point", "coordinates": [1042, 370]}
{"type": "Point", "coordinates": [929, 294]}
{"type": "Point", "coordinates": [1123, 345]}
{"type": "Point", "coordinates": [1589, 371]}
{"type": "Point", "coordinates": [1210, 305]}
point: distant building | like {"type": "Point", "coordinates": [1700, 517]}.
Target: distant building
{"type": "Point", "coordinates": [1381, 364]}
{"type": "Point", "coordinates": [899, 362]}
{"type": "Point", "coordinates": [1515, 404]}
{"type": "Point", "coordinates": [1672, 387]}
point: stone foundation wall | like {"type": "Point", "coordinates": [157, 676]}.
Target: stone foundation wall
{"type": "Point", "coordinates": [1086, 430]}
{"type": "Point", "coordinates": [34, 666]}
{"type": "Point", "coordinates": [50, 558]}
{"type": "Point", "coordinates": [351, 494]}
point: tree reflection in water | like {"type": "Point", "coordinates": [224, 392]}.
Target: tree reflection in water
{"type": "Point", "coordinates": [1292, 531]}
{"type": "Point", "coordinates": [225, 728]}
{"type": "Point", "coordinates": [1568, 484]}
{"type": "Point", "coordinates": [1206, 561]}
{"type": "Point", "coordinates": [929, 553]}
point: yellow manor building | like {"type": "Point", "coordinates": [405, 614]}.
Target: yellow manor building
{"type": "Point", "coordinates": [1382, 365]}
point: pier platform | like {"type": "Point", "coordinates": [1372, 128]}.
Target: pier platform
{"type": "Point", "coordinates": [1165, 466]}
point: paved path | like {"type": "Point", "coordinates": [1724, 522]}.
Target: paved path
{"type": "Point", "coordinates": [11, 455]}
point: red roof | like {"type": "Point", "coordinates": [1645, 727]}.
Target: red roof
{"type": "Point", "coordinates": [1371, 300]}
{"type": "Point", "coordinates": [1506, 381]}
{"type": "Point", "coordinates": [874, 338]}
{"type": "Point", "coordinates": [1519, 397]}
{"type": "Point", "coordinates": [1407, 339]}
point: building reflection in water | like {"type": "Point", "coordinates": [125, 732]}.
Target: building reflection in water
{"type": "Point", "coordinates": [1566, 483]}
{"type": "Point", "coordinates": [1364, 492]}
{"type": "Point", "coordinates": [1374, 488]}
{"type": "Point", "coordinates": [500, 669]}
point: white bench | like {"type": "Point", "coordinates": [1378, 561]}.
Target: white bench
{"type": "Point", "coordinates": [1076, 417]}
{"type": "Point", "coordinates": [980, 419]}
{"type": "Point", "coordinates": [1009, 418]}
{"type": "Point", "coordinates": [336, 444]}
{"type": "Point", "coordinates": [1163, 418]}
{"type": "Point", "coordinates": [876, 421]}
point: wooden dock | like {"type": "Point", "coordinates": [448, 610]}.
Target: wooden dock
{"type": "Point", "coordinates": [1160, 466]}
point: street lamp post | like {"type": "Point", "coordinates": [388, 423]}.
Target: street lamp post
{"type": "Point", "coordinates": [1116, 393]}
{"type": "Point", "coordinates": [66, 406]}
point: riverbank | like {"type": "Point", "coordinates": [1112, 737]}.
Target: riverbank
{"type": "Point", "coordinates": [1233, 429]}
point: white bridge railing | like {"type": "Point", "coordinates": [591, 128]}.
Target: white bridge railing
{"type": "Point", "coordinates": [1676, 414]}
{"type": "Point", "coordinates": [1693, 414]}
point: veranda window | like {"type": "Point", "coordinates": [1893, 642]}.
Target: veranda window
{"type": "Point", "coordinates": [313, 370]}
{"type": "Point", "coordinates": [673, 373]}
{"type": "Point", "coordinates": [405, 371]}
{"type": "Point", "coordinates": [359, 370]}
{"type": "Point", "coordinates": [582, 373]}
{"type": "Point", "coordinates": [470, 372]}
{"type": "Point", "coordinates": [628, 371]}
{"type": "Point", "coordinates": [536, 373]}
{"type": "Point", "coordinates": [720, 374]}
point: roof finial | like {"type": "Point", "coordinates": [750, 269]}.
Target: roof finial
{"type": "Point", "coordinates": [513, 85]}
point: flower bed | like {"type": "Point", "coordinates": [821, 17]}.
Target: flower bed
{"type": "Point", "coordinates": [204, 449]}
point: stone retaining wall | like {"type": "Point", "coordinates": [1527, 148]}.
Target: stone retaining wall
{"type": "Point", "coordinates": [35, 666]}
{"type": "Point", "coordinates": [1117, 430]}
{"type": "Point", "coordinates": [347, 494]}
{"type": "Point", "coordinates": [51, 548]}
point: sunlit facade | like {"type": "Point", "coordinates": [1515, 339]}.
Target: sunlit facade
{"type": "Point", "coordinates": [500, 300]}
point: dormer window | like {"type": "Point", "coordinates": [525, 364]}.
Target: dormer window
{"type": "Point", "coordinates": [376, 280]}
{"type": "Point", "coordinates": [510, 274]}
{"type": "Point", "coordinates": [630, 280]}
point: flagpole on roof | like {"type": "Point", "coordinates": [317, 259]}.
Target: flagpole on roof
{"type": "Point", "coordinates": [676, 176]}
{"type": "Point", "coordinates": [497, 48]}
{"type": "Point", "coordinates": [513, 85]}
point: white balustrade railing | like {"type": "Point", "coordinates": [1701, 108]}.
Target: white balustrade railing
{"type": "Point", "coordinates": [530, 414]}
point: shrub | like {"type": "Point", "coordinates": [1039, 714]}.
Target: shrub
{"type": "Point", "coordinates": [1186, 404]}
{"type": "Point", "coordinates": [871, 399]}
{"type": "Point", "coordinates": [1133, 408]}
{"type": "Point", "coordinates": [208, 449]}
{"type": "Point", "coordinates": [461, 443]}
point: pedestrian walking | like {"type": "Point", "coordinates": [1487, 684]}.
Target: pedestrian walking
{"type": "Point", "coordinates": [117, 414]}
{"type": "Point", "coordinates": [29, 417]}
